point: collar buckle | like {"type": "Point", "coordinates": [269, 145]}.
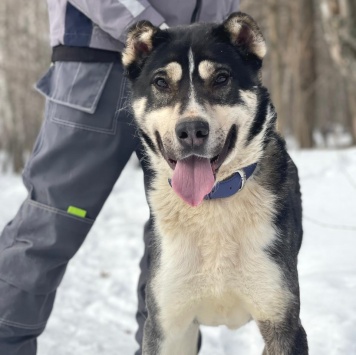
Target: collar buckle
{"type": "Point", "coordinates": [242, 174]}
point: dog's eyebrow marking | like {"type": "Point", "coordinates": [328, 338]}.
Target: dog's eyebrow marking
{"type": "Point", "coordinates": [206, 68]}
{"type": "Point", "coordinates": [174, 71]}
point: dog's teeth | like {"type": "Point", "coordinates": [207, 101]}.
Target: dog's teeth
{"type": "Point", "coordinates": [172, 162]}
{"type": "Point", "coordinates": [215, 159]}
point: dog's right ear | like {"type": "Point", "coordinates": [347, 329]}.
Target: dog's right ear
{"type": "Point", "coordinates": [245, 34]}
{"type": "Point", "coordinates": [139, 45]}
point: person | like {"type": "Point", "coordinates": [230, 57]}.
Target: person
{"type": "Point", "coordinates": [83, 145]}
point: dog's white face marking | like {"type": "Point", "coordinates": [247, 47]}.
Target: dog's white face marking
{"type": "Point", "coordinates": [191, 65]}
{"type": "Point", "coordinates": [139, 107]}
{"type": "Point", "coordinates": [249, 98]}
{"type": "Point", "coordinates": [193, 109]}
{"type": "Point", "coordinates": [225, 116]}
{"type": "Point", "coordinates": [206, 68]}
{"type": "Point", "coordinates": [174, 71]}
{"type": "Point", "coordinates": [244, 154]}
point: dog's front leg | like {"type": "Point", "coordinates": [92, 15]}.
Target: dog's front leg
{"type": "Point", "coordinates": [285, 338]}
{"type": "Point", "coordinates": [152, 338]}
{"type": "Point", "coordinates": [159, 341]}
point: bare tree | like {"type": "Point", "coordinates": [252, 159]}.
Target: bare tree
{"type": "Point", "coordinates": [23, 56]}
{"type": "Point", "coordinates": [339, 20]}
{"type": "Point", "coordinates": [306, 44]}
{"type": "Point", "coordinates": [276, 58]}
{"type": "Point", "coordinates": [312, 98]}
{"type": "Point", "coordinates": [306, 75]}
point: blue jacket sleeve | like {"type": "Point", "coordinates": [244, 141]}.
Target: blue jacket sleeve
{"type": "Point", "coordinates": [116, 16]}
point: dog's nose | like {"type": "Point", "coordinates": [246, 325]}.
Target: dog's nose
{"type": "Point", "coordinates": [192, 133]}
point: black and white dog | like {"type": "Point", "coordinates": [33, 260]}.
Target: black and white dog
{"type": "Point", "coordinates": [225, 195]}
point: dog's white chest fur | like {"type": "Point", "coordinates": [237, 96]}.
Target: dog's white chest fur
{"type": "Point", "coordinates": [213, 267]}
{"type": "Point", "coordinates": [225, 309]}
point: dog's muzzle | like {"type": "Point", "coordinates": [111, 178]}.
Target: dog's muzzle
{"type": "Point", "coordinates": [192, 135]}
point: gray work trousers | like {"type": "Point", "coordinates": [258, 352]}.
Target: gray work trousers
{"type": "Point", "coordinates": [85, 142]}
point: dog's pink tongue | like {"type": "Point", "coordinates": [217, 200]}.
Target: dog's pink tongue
{"type": "Point", "coordinates": [193, 178]}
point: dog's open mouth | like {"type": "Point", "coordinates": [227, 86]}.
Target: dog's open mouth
{"type": "Point", "coordinates": [194, 176]}
{"type": "Point", "coordinates": [217, 160]}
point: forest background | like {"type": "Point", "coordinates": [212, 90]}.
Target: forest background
{"type": "Point", "coordinates": [310, 70]}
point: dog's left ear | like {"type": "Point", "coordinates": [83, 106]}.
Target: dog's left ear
{"type": "Point", "coordinates": [139, 45]}
{"type": "Point", "coordinates": [245, 34]}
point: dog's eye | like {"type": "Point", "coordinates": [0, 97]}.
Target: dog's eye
{"type": "Point", "coordinates": [160, 83]}
{"type": "Point", "coordinates": [221, 79]}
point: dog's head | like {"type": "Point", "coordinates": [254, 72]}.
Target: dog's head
{"type": "Point", "coordinates": [198, 100]}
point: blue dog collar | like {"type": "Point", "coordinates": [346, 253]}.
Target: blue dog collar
{"type": "Point", "coordinates": [231, 185]}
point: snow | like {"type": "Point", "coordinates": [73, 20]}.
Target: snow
{"type": "Point", "coordinates": [95, 307]}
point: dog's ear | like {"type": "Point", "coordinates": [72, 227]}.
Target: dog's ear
{"type": "Point", "coordinates": [245, 34]}
{"type": "Point", "coordinates": [139, 45]}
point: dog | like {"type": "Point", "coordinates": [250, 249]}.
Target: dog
{"type": "Point", "coordinates": [225, 195]}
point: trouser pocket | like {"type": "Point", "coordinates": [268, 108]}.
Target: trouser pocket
{"type": "Point", "coordinates": [36, 247]}
{"type": "Point", "coordinates": [85, 96]}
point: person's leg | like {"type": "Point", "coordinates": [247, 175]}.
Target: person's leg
{"type": "Point", "coordinates": [81, 150]}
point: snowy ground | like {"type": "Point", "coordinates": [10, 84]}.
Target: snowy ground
{"type": "Point", "coordinates": [95, 306]}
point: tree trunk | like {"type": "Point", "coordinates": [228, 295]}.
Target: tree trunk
{"type": "Point", "coordinates": [339, 20]}
{"type": "Point", "coordinates": [23, 56]}
{"type": "Point", "coordinates": [306, 79]}
{"type": "Point", "coordinates": [351, 98]}
{"type": "Point", "coordinates": [276, 67]}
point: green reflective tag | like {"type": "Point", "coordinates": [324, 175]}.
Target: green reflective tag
{"type": "Point", "coordinates": [75, 211]}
